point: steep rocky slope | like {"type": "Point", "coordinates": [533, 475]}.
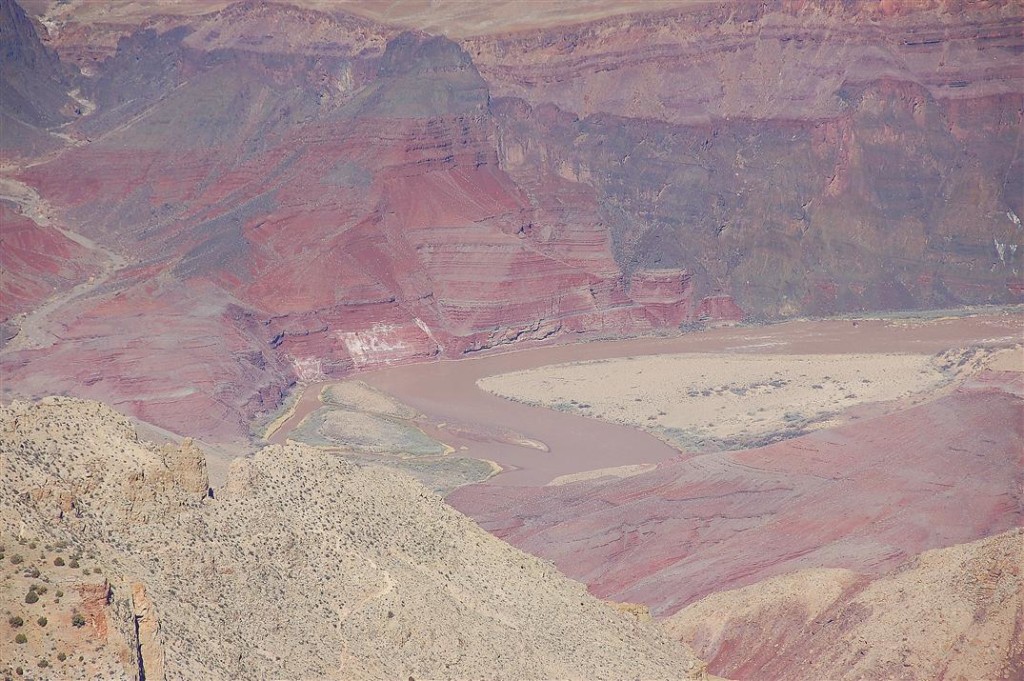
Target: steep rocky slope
{"type": "Point", "coordinates": [803, 157]}
{"type": "Point", "coordinates": [37, 260]}
{"type": "Point", "coordinates": [35, 85]}
{"type": "Point", "coordinates": [301, 566]}
{"type": "Point", "coordinates": [298, 192]}
{"type": "Point", "coordinates": [952, 613]}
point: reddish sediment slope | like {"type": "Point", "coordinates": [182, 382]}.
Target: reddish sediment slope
{"type": "Point", "coordinates": [864, 497]}
{"type": "Point", "coordinates": [36, 261]}
{"type": "Point", "coordinates": [296, 216]}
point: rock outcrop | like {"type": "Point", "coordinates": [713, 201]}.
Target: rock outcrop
{"type": "Point", "coordinates": [302, 566]}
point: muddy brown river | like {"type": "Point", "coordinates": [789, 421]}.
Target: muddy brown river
{"type": "Point", "coordinates": [446, 391]}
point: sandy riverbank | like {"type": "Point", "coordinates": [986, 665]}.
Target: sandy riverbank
{"type": "Point", "coordinates": [711, 400]}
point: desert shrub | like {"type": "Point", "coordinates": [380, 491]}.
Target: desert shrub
{"type": "Point", "coordinates": [43, 664]}
{"type": "Point", "coordinates": [77, 620]}
{"type": "Point", "coordinates": [32, 572]}
{"type": "Point", "coordinates": [31, 597]}
{"type": "Point", "coordinates": [21, 639]}
{"type": "Point", "coordinates": [62, 656]}
{"type": "Point", "coordinates": [58, 561]}
{"type": "Point", "coordinates": [42, 621]}
{"type": "Point", "coordinates": [16, 559]}
{"type": "Point", "coordinates": [15, 621]}
{"type": "Point", "coordinates": [59, 593]}
{"type": "Point", "coordinates": [73, 563]}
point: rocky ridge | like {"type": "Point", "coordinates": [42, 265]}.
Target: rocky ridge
{"type": "Point", "coordinates": [300, 566]}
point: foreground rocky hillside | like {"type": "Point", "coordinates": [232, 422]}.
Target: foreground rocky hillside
{"type": "Point", "coordinates": [287, 191]}
{"type": "Point", "coordinates": [301, 566]}
{"type": "Point", "coordinates": [952, 613]}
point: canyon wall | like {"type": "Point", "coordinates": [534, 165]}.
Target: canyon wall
{"type": "Point", "coordinates": [293, 194]}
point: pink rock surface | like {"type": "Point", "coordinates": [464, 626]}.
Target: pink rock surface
{"type": "Point", "coordinates": [863, 496]}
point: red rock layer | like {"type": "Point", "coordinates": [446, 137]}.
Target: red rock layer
{"type": "Point", "coordinates": [36, 261]}
{"type": "Point", "coordinates": [864, 496]}
{"type": "Point", "coordinates": [358, 220]}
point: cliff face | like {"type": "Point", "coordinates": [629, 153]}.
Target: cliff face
{"type": "Point", "coordinates": [302, 566]}
{"type": "Point", "coordinates": [804, 157]}
{"type": "Point", "coordinates": [297, 194]}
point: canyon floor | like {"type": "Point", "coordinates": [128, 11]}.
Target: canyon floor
{"type": "Point", "coordinates": [396, 339]}
{"type": "Point", "coordinates": [766, 492]}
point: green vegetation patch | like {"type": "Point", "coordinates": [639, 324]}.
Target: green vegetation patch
{"type": "Point", "coordinates": [358, 396]}
{"type": "Point", "coordinates": [364, 433]}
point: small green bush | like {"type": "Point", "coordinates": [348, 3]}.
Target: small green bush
{"type": "Point", "coordinates": [31, 597]}
{"type": "Point", "coordinates": [42, 621]}
{"type": "Point", "coordinates": [58, 561]}
{"type": "Point", "coordinates": [20, 639]}
{"type": "Point", "coordinates": [15, 621]}
{"type": "Point", "coordinates": [43, 664]}
{"type": "Point", "coordinates": [77, 620]}
{"type": "Point", "coordinates": [16, 559]}
{"type": "Point", "coordinates": [62, 656]}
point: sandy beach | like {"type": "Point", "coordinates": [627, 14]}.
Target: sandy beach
{"type": "Point", "coordinates": [701, 400]}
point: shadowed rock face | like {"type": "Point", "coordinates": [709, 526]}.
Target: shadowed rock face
{"type": "Point", "coordinates": [301, 194]}
{"type": "Point", "coordinates": [801, 158]}
{"type": "Point", "coordinates": [34, 84]}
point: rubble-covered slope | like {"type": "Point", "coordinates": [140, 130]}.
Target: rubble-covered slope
{"type": "Point", "coordinates": [301, 566]}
